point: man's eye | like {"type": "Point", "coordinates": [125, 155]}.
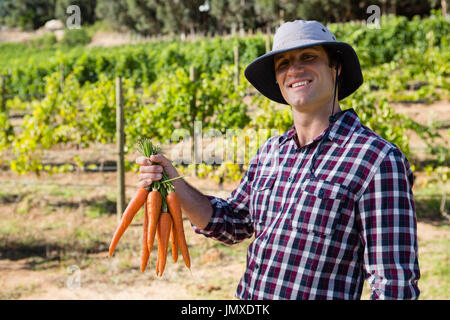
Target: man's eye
{"type": "Point", "coordinates": [282, 63]}
{"type": "Point", "coordinates": [308, 57]}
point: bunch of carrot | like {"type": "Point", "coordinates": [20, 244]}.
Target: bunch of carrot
{"type": "Point", "coordinates": [162, 218]}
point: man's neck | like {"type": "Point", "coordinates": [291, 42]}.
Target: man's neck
{"type": "Point", "coordinates": [309, 125]}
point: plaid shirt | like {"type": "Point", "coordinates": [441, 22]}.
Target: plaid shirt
{"type": "Point", "coordinates": [319, 237]}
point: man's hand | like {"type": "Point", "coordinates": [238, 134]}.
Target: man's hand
{"type": "Point", "coordinates": [151, 169]}
{"type": "Point", "coordinates": [193, 203]}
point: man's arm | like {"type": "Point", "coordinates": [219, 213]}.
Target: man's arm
{"type": "Point", "coordinates": [228, 220]}
{"type": "Point", "coordinates": [195, 204]}
{"type": "Point", "coordinates": [387, 220]}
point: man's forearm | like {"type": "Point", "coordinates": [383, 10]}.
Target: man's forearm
{"type": "Point", "coordinates": [195, 205]}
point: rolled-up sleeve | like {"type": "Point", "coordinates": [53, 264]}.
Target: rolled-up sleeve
{"type": "Point", "coordinates": [388, 226]}
{"type": "Point", "coordinates": [231, 221]}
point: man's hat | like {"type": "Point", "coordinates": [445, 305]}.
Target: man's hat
{"type": "Point", "coordinates": [303, 34]}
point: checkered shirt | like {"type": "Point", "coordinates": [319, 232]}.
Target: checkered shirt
{"type": "Point", "coordinates": [320, 235]}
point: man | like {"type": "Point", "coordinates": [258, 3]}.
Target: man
{"type": "Point", "coordinates": [329, 202]}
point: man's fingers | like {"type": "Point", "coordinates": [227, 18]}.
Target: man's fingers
{"type": "Point", "coordinates": [156, 164]}
{"type": "Point", "coordinates": [160, 159]}
{"type": "Point", "coordinates": [151, 169]}
{"type": "Point", "coordinates": [149, 176]}
{"type": "Point", "coordinates": [143, 161]}
{"type": "Point", "coordinates": [144, 183]}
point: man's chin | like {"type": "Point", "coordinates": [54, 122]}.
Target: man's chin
{"type": "Point", "coordinates": [299, 104]}
{"type": "Point", "coordinates": [308, 103]}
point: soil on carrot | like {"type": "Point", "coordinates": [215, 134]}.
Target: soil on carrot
{"type": "Point", "coordinates": [54, 240]}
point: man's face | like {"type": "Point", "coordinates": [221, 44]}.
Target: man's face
{"type": "Point", "coordinates": [305, 78]}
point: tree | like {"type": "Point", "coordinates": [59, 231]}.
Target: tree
{"type": "Point", "coordinates": [238, 13]}
{"type": "Point", "coordinates": [268, 12]}
{"type": "Point", "coordinates": [144, 16]}
{"type": "Point", "coordinates": [26, 14]}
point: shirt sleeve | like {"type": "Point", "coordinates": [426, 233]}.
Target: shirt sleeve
{"type": "Point", "coordinates": [387, 221]}
{"type": "Point", "coordinates": [231, 221]}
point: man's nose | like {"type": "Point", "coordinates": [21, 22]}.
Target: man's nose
{"type": "Point", "coordinates": [296, 66]}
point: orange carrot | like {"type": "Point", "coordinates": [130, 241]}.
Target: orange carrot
{"type": "Point", "coordinates": [174, 243]}
{"type": "Point", "coordinates": [133, 207]}
{"type": "Point", "coordinates": [158, 257]}
{"type": "Point", "coordinates": [175, 210]}
{"type": "Point", "coordinates": [157, 265]}
{"type": "Point", "coordinates": [154, 202]}
{"type": "Point", "coordinates": [145, 254]}
{"type": "Point", "coordinates": [164, 225]}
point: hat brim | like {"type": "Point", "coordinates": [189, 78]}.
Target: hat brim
{"type": "Point", "coordinates": [261, 72]}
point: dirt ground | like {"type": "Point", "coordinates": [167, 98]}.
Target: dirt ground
{"type": "Point", "coordinates": [53, 282]}
{"type": "Point", "coordinates": [28, 273]}
{"type": "Point", "coordinates": [438, 112]}
{"type": "Point", "coordinates": [215, 273]}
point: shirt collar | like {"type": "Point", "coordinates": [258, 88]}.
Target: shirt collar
{"type": "Point", "coordinates": [347, 121]}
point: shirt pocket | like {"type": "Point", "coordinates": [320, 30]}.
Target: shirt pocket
{"type": "Point", "coordinates": [262, 202]}
{"type": "Point", "coordinates": [318, 207]}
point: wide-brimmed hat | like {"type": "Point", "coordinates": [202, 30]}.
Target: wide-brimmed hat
{"type": "Point", "coordinates": [302, 34]}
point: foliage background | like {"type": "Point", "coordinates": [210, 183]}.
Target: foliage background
{"type": "Point", "coordinates": [150, 17]}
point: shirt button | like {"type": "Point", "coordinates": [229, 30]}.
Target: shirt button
{"type": "Point", "coordinates": [290, 179]}
{"type": "Point", "coordinates": [256, 266]}
{"type": "Point", "coordinates": [321, 193]}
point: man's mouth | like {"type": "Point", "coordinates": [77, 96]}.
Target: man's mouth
{"type": "Point", "coordinates": [301, 83]}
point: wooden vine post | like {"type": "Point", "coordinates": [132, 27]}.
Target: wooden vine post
{"type": "Point", "coordinates": [120, 149]}
{"type": "Point", "coordinates": [236, 66]}
{"type": "Point", "coordinates": [3, 93]}
{"type": "Point", "coordinates": [193, 77]}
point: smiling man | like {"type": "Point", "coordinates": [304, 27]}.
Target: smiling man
{"type": "Point", "coordinates": [329, 202]}
{"type": "Point", "coordinates": [307, 82]}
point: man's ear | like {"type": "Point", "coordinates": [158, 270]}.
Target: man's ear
{"type": "Point", "coordinates": [339, 66]}
{"type": "Point", "coordinates": [333, 69]}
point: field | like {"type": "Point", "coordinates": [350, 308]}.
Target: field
{"type": "Point", "coordinates": [51, 223]}
{"type": "Point", "coordinates": [58, 130]}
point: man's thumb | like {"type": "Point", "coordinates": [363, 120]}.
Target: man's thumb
{"type": "Point", "coordinates": [159, 158]}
